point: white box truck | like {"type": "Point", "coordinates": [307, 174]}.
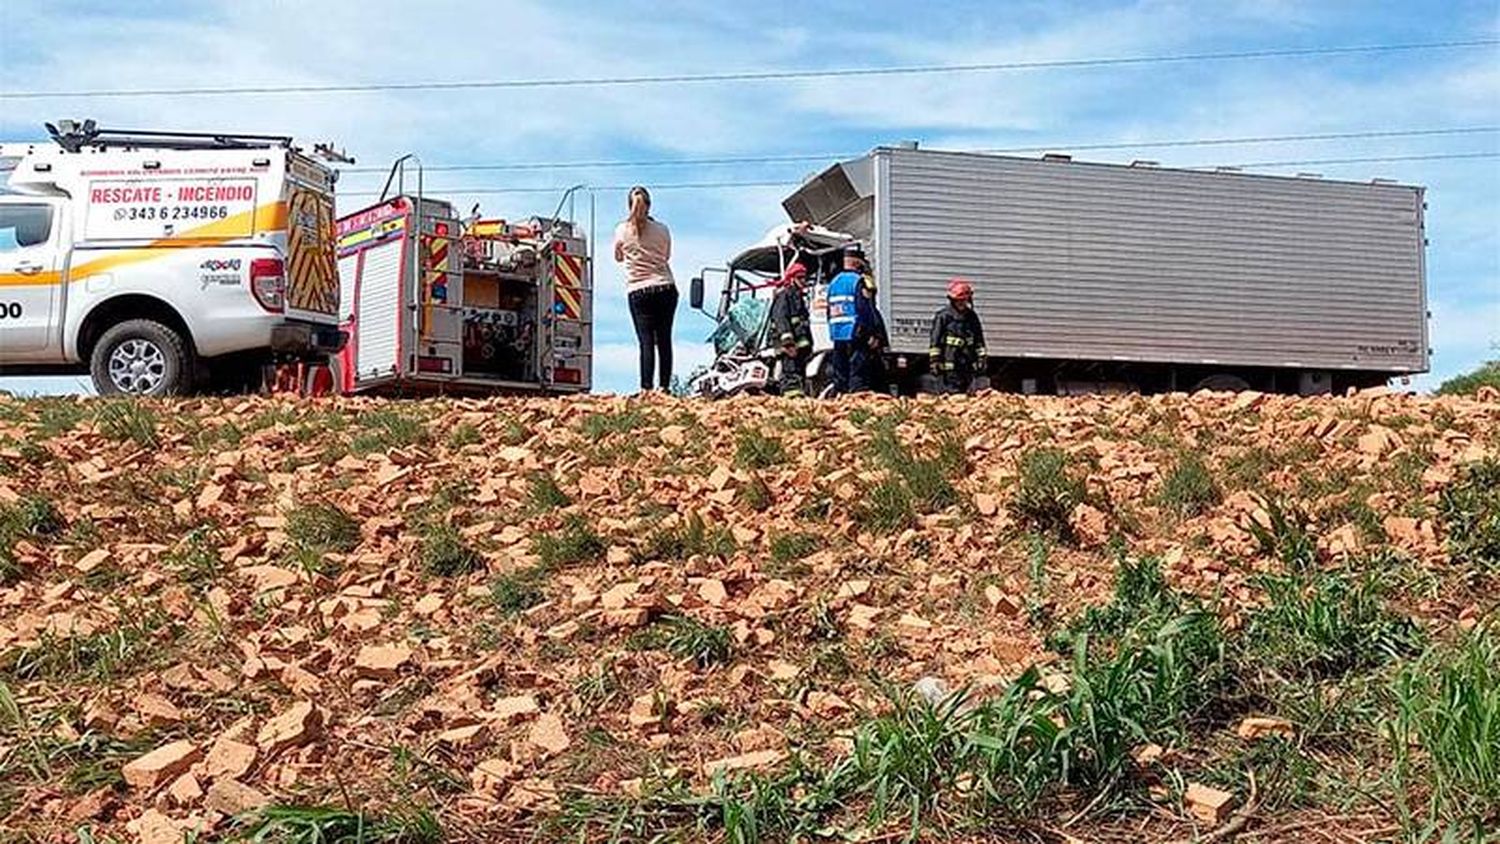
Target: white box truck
{"type": "Point", "coordinates": [1092, 277]}
{"type": "Point", "coordinates": [159, 262]}
{"type": "Point", "coordinates": [435, 304]}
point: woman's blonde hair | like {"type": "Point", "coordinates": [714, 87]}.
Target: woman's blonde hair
{"type": "Point", "coordinates": [640, 208]}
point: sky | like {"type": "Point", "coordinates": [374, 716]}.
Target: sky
{"type": "Point", "coordinates": [51, 45]}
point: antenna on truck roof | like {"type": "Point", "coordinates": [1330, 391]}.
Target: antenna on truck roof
{"type": "Point", "coordinates": [73, 136]}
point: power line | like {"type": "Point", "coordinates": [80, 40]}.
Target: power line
{"type": "Point", "coordinates": [1264, 139]}
{"type": "Point", "coordinates": [1447, 156]}
{"type": "Point", "coordinates": [801, 157]}
{"type": "Point", "coordinates": [753, 76]}
{"type": "Point", "coordinates": [583, 165]}
{"type": "Point", "coordinates": [1440, 156]}
{"type": "Point", "coordinates": [654, 188]}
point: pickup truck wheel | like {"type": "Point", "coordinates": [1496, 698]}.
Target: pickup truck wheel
{"type": "Point", "coordinates": [141, 357]}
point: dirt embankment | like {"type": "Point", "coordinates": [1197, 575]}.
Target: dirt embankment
{"type": "Point", "coordinates": [488, 620]}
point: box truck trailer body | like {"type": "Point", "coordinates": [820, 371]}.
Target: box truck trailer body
{"type": "Point", "coordinates": [1152, 277]}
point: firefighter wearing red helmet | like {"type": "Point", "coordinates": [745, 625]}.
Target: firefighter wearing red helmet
{"type": "Point", "coordinates": [792, 327]}
{"type": "Point", "coordinates": [957, 351]}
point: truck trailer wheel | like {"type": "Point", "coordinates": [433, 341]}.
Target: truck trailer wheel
{"type": "Point", "coordinates": [141, 357]}
{"type": "Point", "coordinates": [1223, 382]}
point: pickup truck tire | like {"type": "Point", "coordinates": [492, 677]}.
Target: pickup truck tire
{"type": "Point", "coordinates": [141, 357]}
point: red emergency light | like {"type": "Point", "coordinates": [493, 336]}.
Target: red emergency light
{"type": "Point", "coordinates": [440, 229]}
{"type": "Point", "coordinates": [559, 247]}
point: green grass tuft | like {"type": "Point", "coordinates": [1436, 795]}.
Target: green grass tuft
{"type": "Point", "coordinates": [59, 416]}
{"type": "Point", "coordinates": [757, 493]}
{"type": "Point", "coordinates": [323, 527]}
{"type": "Point", "coordinates": [1470, 509]}
{"type": "Point", "coordinates": [926, 476]}
{"type": "Point", "coordinates": [443, 552]}
{"type": "Point", "coordinates": [691, 537]}
{"type": "Point", "coordinates": [195, 557]}
{"type": "Point", "coordinates": [283, 824]}
{"type": "Point", "coordinates": [129, 647]}
{"type": "Point", "coordinates": [1446, 734]}
{"type": "Point", "coordinates": [514, 592]}
{"type": "Point", "coordinates": [32, 517]}
{"type": "Point", "coordinates": [789, 548]}
{"type": "Point", "coordinates": [597, 426]}
{"type": "Point", "coordinates": [575, 542]}
{"type": "Point", "coordinates": [755, 450]}
{"type": "Point", "coordinates": [388, 428]}
{"type": "Point", "coordinates": [1322, 625]}
{"type": "Point", "coordinates": [464, 435]}
{"type": "Point", "coordinates": [688, 638]}
{"type": "Point", "coordinates": [1189, 489]}
{"type": "Point", "coordinates": [544, 495]}
{"type": "Point", "coordinates": [318, 529]}
{"type": "Point", "coordinates": [128, 420]}
{"type": "Point", "coordinates": [1285, 536]}
{"type": "Point", "coordinates": [1048, 490]}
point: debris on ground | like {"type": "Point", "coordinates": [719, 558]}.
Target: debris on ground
{"type": "Point", "coordinates": [504, 611]}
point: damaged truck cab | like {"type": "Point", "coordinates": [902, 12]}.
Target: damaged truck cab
{"type": "Point", "coordinates": [745, 358]}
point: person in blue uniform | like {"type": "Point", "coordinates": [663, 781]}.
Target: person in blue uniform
{"type": "Point", "coordinates": [856, 327]}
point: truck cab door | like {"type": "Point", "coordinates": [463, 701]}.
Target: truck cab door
{"type": "Point", "coordinates": [32, 248]}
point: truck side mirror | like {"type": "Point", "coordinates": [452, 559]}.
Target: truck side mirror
{"type": "Point", "coordinates": [695, 293]}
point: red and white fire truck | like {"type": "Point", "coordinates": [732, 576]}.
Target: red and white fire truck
{"type": "Point", "coordinates": [435, 304]}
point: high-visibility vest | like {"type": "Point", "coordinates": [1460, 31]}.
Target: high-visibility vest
{"type": "Point", "coordinates": [841, 315]}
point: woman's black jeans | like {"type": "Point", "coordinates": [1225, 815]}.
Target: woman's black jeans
{"type": "Point", "coordinates": [652, 311]}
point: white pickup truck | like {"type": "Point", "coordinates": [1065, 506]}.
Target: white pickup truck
{"type": "Point", "coordinates": [162, 262]}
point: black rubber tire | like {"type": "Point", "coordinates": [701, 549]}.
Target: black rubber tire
{"type": "Point", "coordinates": [235, 375]}
{"type": "Point", "coordinates": [177, 359]}
{"type": "Point", "coordinates": [820, 383]}
{"type": "Point", "coordinates": [1223, 382]}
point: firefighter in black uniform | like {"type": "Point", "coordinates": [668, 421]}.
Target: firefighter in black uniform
{"type": "Point", "coordinates": [792, 329]}
{"type": "Point", "coordinates": [957, 351]}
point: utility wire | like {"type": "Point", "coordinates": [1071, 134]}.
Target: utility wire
{"type": "Point", "coordinates": [800, 157]}
{"type": "Point", "coordinates": [752, 76]}
{"type": "Point", "coordinates": [654, 188]}
{"type": "Point", "coordinates": [1439, 156]}
{"type": "Point", "coordinates": [1265, 139]}
{"type": "Point", "coordinates": [1448, 156]}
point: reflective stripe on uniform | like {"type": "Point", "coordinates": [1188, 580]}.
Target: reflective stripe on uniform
{"type": "Point", "coordinates": [841, 309]}
{"type": "Point", "coordinates": [956, 341]}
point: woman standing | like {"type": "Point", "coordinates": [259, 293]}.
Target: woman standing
{"type": "Point", "coordinates": [644, 246]}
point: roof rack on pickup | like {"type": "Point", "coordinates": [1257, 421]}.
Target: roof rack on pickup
{"type": "Point", "coordinates": [73, 136]}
